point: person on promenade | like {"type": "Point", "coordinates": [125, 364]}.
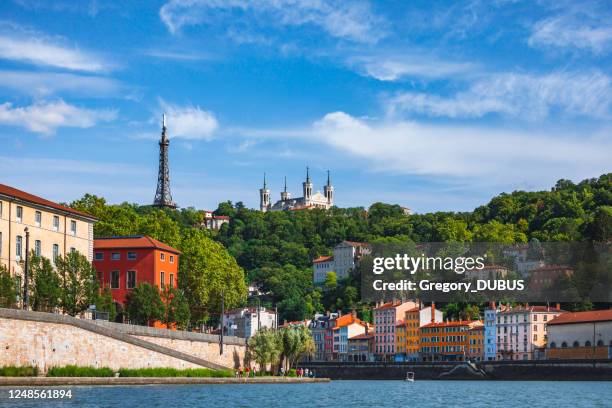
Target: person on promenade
{"type": "Point", "coordinates": [247, 372]}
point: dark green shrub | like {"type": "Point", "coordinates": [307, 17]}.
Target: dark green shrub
{"type": "Point", "coordinates": [24, 371]}
{"type": "Point", "coordinates": [76, 371]}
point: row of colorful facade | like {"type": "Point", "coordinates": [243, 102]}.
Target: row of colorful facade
{"type": "Point", "coordinates": [409, 331]}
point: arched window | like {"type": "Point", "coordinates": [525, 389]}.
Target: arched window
{"type": "Point", "coordinates": [576, 344]}
{"type": "Point", "coordinates": [587, 344]}
{"type": "Point", "coordinates": [599, 343]}
{"type": "Point", "coordinates": [553, 345]}
{"type": "Point", "coordinates": [564, 344]}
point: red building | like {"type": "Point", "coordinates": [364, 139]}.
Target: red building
{"type": "Point", "coordinates": [124, 262]}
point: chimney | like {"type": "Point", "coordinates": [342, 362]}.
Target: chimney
{"type": "Point", "coordinates": [433, 312]}
{"type": "Point", "coordinates": [558, 306]}
{"type": "Point", "coordinates": [367, 328]}
{"type": "Point", "coordinates": [354, 314]}
{"type": "Point", "coordinates": [492, 305]}
{"type": "Point", "coordinates": [327, 313]}
{"type": "Point", "coordinates": [339, 312]}
{"type": "Point", "coordinates": [420, 304]}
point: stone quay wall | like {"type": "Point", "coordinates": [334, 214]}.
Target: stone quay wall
{"type": "Point", "coordinates": [46, 340]}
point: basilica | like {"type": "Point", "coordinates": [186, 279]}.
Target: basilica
{"type": "Point", "coordinates": [307, 201]}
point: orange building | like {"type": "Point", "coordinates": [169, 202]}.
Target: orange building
{"type": "Point", "coordinates": [124, 262]}
{"type": "Point", "coordinates": [412, 321]}
{"type": "Point", "coordinates": [476, 343]}
{"type": "Point", "coordinates": [447, 341]}
{"type": "Point", "coordinates": [400, 340]}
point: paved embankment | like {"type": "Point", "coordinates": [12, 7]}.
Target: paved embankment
{"type": "Point", "coordinates": [54, 381]}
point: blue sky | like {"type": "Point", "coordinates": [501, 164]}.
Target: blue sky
{"type": "Point", "coordinates": [431, 105]}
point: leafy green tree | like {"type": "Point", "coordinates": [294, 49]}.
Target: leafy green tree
{"type": "Point", "coordinates": [265, 348]}
{"type": "Point", "coordinates": [78, 283]}
{"type": "Point", "coordinates": [206, 270]}
{"type": "Point", "coordinates": [105, 303]}
{"type": "Point", "coordinates": [176, 308]}
{"type": "Point", "coordinates": [8, 288]}
{"type": "Point", "coordinates": [296, 342]}
{"type": "Point", "coordinates": [46, 288]}
{"type": "Point", "coordinates": [331, 281]}
{"type": "Point", "coordinates": [144, 304]}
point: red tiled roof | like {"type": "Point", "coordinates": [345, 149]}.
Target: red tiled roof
{"type": "Point", "coordinates": [347, 319]}
{"type": "Point", "coordinates": [532, 309]}
{"type": "Point", "coordinates": [583, 317]}
{"type": "Point", "coordinates": [222, 217]}
{"type": "Point", "coordinates": [134, 242]}
{"type": "Point", "coordinates": [323, 259]}
{"type": "Point", "coordinates": [355, 243]}
{"type": "Point", "coordinates": [23, 196]}
{"type": "Point", "coordinates": [362, 336]}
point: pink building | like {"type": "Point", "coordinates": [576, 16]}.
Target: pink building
{"type": "Point", "coordinates": [386, 317]}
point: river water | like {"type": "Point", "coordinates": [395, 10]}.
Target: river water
{"type": "Point", "coordinates": [341, 394]}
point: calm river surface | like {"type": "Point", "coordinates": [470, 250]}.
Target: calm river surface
{"type": "Point", "coordinates": [342, 394]}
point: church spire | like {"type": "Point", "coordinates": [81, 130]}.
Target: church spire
{"type": "Point", "coordinates": [285, 184]}
{"type": "Point", "coordinates": [264, 196]}
{"type": "Point", "coordinates": [328, 191]}
{"type": "Point", "coordinates": [328, 179]}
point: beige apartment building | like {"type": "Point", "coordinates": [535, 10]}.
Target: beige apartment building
{"type": "Point", "coordinates": [54, 229]}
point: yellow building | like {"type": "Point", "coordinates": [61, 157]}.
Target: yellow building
{"type": "Point", "coordinates": [413, 322]}
{"type": "Point", "coordinates": [53, 229]}
{"type": "Point", "coordinates": [400, 339]}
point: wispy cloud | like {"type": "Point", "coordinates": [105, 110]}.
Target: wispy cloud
{"type": "Point", "coordinates": [582, 26]}
{"type": "Point", "coordinates": [525, 96]}
{"type": "Point", "coordinates": [46, 117]}
{"type": "Point", "coordinates": [42, 84]}
{"type": "Point", "coordinates": [24, 45]}
{"type": "Point", "coordinates": [480, 154]}
{"type": "Point", "coordinates": [397, 65]}
{"type": "Point", "coordinates": [189, 122]}
{"type": "Point", "coordinates": [348, 20]}
{"type": "Point", "coordinates": [178, 55]}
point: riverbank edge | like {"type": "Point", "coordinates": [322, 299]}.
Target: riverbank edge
{"type": "Point", "coordinates": [53, 381]}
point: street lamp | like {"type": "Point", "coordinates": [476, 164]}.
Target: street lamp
{"type": "Point", "coordinates": [26, 269]}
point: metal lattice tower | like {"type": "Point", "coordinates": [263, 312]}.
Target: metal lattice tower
{"type": "Point", "coordinates": [163, 197]}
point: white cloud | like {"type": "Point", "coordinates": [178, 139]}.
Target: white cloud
{"type": "Point", "coordinates": [41, 84]}
{"type": "Point", "coordinates": [20, 44]}
{"type": "Point", "coordinates": [189, 122]}
{"type": "Point", "coordinates": [525, 96]}
{"type": "Point", "coordinates": [349, 20]}
{"type": "Point", "coordinates": [484, 156]}
{"type": "Point", "coordinates": [46, 117]}
{"type": "Point", "coordinates": [577, 28]}
{"type": "Point", "coordinates": [393, 68]}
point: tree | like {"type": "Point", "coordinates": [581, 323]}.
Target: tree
{"type": "Point", "coordinates": [265, 348]}
{"type": "Point", "coordinates": [144, 304]}
{"type": "Point", "coordinates": [78, 283]}
{"type": "Point", "coordinates": [296, 342]}
{"type": "Point", "coordinates": [176, 308]}
{"type": "Point", "coordinates": [331, 282]}
{"type": "Point", "coordinates": [46, 289]}
{"type": "Point", "coordinates": [8, 288]}
{"type": "Point", "coordinates": [206, 270]}
{"type": "Point", "coordinates": [105, 303]}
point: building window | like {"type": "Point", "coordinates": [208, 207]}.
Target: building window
{"type": "Point", "coordinates": [72, 250]}
{"type": "Point", "coordinates": [115, 256]}
{"type": "Point", "coordinates": [131, 280]}
{"type": "Point", "coordinates": [545, 318]}
{"type": "Point", "coordinates": [587, 343]}
{"type": "Point", "coordinates": [115, 280]}
{"type": "Point", "coordinates": [19, 215]}
{"type": "Point", "coordinates": [131, 256]}
{"type": "Point", "coordinates": [55, 223]}
{"type": "Point", "coordinates": [73, 227]}
{"type": "Point", "coordinates": [38, 218]}
{"type": "Point", "coordinates": [37, 247]}
{"type": "Point", "coordinates": [576, 344]}
{"type": "Point", "coordinates": [162, 256]}
{"type": "Point", "coordinates": [99, 256]}
{"type": "Point", "coordinates": [553, 345]}
{"type": "Point", "coordinates": [18, 247]}
{"type": "Point", "coordinates": [535, 327]}
{"type": "Point", "coordinates": [162, 279]}
{"type": "Point", "coordinates": [171, 280]}
{"type": "Point", "coordinates": [535, 317]}
{"type": "Point", "coordinates": [55, 252]}
{"type": "Point", "coordinates": [171, 258]}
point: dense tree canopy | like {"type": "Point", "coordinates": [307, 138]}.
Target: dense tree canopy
{"type": "Point", "coordinates": [276, 249]}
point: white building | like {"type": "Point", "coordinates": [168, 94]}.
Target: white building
{"type": "Point", "coordinates": [581, 335]}
{"type": "Point", "coordinates": [345, 258]}
{"type": "Point", "coordinates": [247, 321]}
{"type": "Point", "coordinates": [522, 331]}
{"type": "Point", "coordinates": [214, 222]}
{"type": "Point", "coordinates": [307, 201]}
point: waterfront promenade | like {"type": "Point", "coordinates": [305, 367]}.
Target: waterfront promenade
{"type": "Point", "coordinates": [55, 381]}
